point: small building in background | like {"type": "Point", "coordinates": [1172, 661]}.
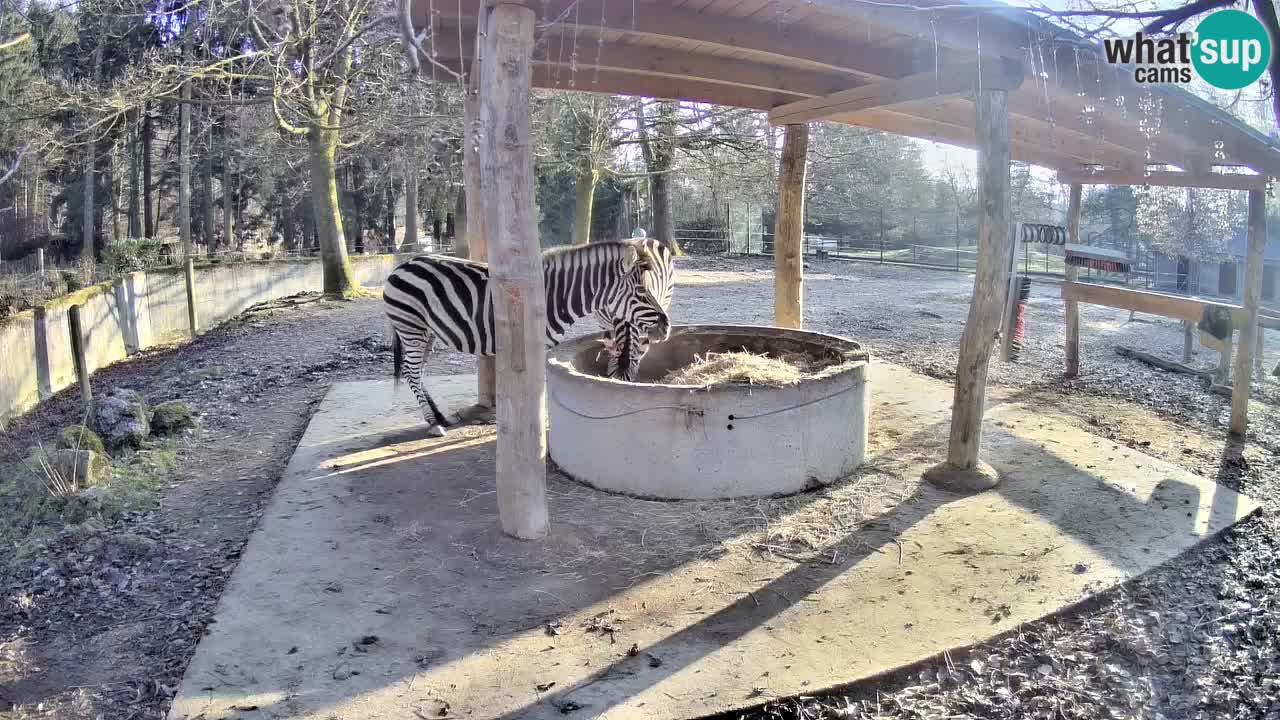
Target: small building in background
{"type": "Point", "coordinates": [1221, 276]}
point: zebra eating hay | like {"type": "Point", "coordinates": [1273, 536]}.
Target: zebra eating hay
{"type": "Point", "coordinates": [626, 284]}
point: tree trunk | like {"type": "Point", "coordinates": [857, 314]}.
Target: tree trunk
{"type": "Point", "coordinates": [585, 187]}
{"type": "Point", "coordinates": [1252, 292]}
{"type": "Point", "coordinates": [506, 179]}
{"type": "Point", "coordinates": [149, 218]}
{"type": "Point", "coordinates": [664, 229]}
{"type": "Point", "coordinates": [962, 469]}
{"type": "Point", "coordinates": [86, 209]}
{"type": "Point", "coordinates": [91, 161]}
{"type": "Point", "coordinates": [410, 205]}
{"type": "Point", "coordinates": [184, 170]}
{"type": "Point", "coordinates": [1071, 349]}
{"type": "Point", "coordinates": [338, 277]}
{"type": "Point", "coordinates": [113, 190]}
{"type": "Point", "coordinates": [788, 277]}
{"type": "Point", "coordinates": [228, 199]}
{"type": "Point", "coordinates": [208, 219]}
{"type": "Point", "coordinates": [290, 227]}
{"type": "Point", "coordinates": [389, 218]}
{"type": "Point", "coordinates": [461, 222]}
{"type": "Point", "coordinates": [135, 194]}
{"type": "Point", "coordinates": [471, 240]}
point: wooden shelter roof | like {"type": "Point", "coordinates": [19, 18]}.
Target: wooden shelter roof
{"type": "Point", "coordinates": [905, 68]}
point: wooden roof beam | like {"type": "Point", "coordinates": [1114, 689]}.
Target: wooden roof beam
{"type": "Point", "coordinates": [952, 134]}
{"type": "Point", "coordinates": [1032, 138]}
{"type": "Point", "coordinates": [1107, 127]}
{"type": "Point", "coordinates": [932, 84]}
{"type": "Point", "coordinates": [554, 76]}
{"type": "Point", "coordinates": [1162, 178]}
{"type": "Point", "coordinates": [657, 62]}
{"type": "Point", "coordinates": [829, 53]}
{"type": "Point", "coordinates": [1185, 121]}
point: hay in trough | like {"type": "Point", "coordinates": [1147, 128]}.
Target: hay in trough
{"type": "Point", "coordinates": [746, 368]}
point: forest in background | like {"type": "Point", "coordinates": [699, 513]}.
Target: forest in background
{"type": "Point", "coordinates": [136, 131]}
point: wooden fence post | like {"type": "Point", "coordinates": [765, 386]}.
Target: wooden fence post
{"type": "Point", "coordinates": [189, 273]}
{"type": "Point", "coordinates": [515, 264]}
{"type": "Point", "coordinates": [962, 470]}
{"type": "Point", "coordinates": [78, 357]}
{"type": "Point", "coordinates": [1188, 338]}
{"type": "Point", "coordinates": [1072, 273]}
{"type": "Point", "coordinates": [1251, 297]}
{"type": "Point", "coordinates": [788, 259]}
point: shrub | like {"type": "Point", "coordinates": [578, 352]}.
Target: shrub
{"type": "Point", "coordinates": [128, 256]}
{"type": "Point", "coordinates": [71, 280]}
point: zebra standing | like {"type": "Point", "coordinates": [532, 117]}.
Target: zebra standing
{"type": "Point", "coordinates": [436, 296]}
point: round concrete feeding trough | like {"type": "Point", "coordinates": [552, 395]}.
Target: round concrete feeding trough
{"type": "Point", "coordinates": [721, 441]}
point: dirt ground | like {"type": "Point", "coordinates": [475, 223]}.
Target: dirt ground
{"type": "Point", "coordinates": [107, 633]}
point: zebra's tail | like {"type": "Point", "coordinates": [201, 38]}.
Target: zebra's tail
{"type": "Point", "coordinates": [397, 355]}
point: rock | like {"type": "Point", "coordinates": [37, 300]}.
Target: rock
{"type": "Point", "coordinates": [122, 419]}
{"type": "Point", "coordinates": [70, 470]}
{"type": "Point", "coordinates": [79, 437]}
{"type": "Point", "coordinates": [130, 546]}
{"type": "Point", "coordinates": [172, 417]}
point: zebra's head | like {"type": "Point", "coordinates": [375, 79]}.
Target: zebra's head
{"type": "Point", "coordinates": [647, 296]}
{"type": "Point", "coordinates": [637, 315]}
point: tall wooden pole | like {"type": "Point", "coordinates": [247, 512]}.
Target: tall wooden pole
{"type": "Point", "coordinates": [478, 246]}
{"type": "Point", "coordinates": [1251, 296]}
{"type": "Point", "coordinates": [1072, 273]}
{"type": "Point", "coordinates": [515, 266]}
{"type": "Point", "coordinates": [962, 470]}
{"type": "Point", "coordinates": [788, 247]}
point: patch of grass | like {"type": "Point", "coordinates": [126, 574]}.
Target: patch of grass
{"type": "Point", "coordinates": [31, 517]}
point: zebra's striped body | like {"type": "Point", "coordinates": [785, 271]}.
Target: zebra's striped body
{"type": "Point", "coordinates": [436, 296]}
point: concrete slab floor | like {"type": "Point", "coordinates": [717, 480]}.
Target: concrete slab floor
{"type": "Point", "coordinates": [378, 584]}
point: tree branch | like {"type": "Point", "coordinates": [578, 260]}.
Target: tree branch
{"type": "Point", "coordinates": [17, 162]}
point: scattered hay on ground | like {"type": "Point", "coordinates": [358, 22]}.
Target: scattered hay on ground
{"type": "Point", "coordinates": [746, 368]}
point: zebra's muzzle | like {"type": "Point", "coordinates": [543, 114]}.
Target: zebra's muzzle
{"type": "Point", "coordinates": [659, 331]}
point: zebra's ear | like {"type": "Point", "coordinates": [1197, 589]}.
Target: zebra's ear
{"type": "Point", "coordinates": [630, 256]}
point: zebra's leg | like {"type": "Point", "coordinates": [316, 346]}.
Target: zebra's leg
{"type": "Point", "coordinates": [416, 348]}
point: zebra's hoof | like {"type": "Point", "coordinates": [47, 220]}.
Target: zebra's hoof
{"type": "Point", "coordinates": [437, 431]}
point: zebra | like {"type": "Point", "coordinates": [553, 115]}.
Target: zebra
{"type": "Point", "coordinates": [437, 296]}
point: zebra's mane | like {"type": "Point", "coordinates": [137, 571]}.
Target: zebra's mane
{"type": "Point", "coordinates": [610, 250]}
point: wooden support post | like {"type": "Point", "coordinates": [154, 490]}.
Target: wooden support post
{"type": "Point", "coordinates": [1010, 297]}
{"type": "Point", "coordinates": [1224, 364]}
{"type": "Point", "coordinates": [515, 265]}
{"type": "Point", "coordinates": [189, 273]}
{"type": "Point", "coordinates": [1259, 363]}
{"type": "Point", "coordinates": [1073, 273]}
{"type": "Point", "coordinates": [1188, 339]}
{"type": "Point", "coordinates": [788, 250]}
{"type": "Point", "coordinates": [78, 357]}
{"type": "Point", "coordinates": [1251, 296]}
{"type": "Point", "coordinates": [477, 245]}
{"type": "Point", "coordinates": [962, 470]}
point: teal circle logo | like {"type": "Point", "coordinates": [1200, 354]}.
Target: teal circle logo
{"type": "Point", "coordinates": [1232, 49]}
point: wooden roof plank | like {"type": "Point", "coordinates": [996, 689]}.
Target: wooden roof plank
{"type": "Point", "coordinates": [1220, 181]}
{"type": "Point", "coordinates": [830, 52]}
{"type": "Point", "coordinates": [678, 64]}
{"type": "Point", "coordinates": [927, 85]}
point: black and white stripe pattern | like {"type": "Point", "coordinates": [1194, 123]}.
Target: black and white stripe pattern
{"type": "Point", "coordinates": [626, 339]}
{"type": "Point", "coordinates": [436, 296]}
